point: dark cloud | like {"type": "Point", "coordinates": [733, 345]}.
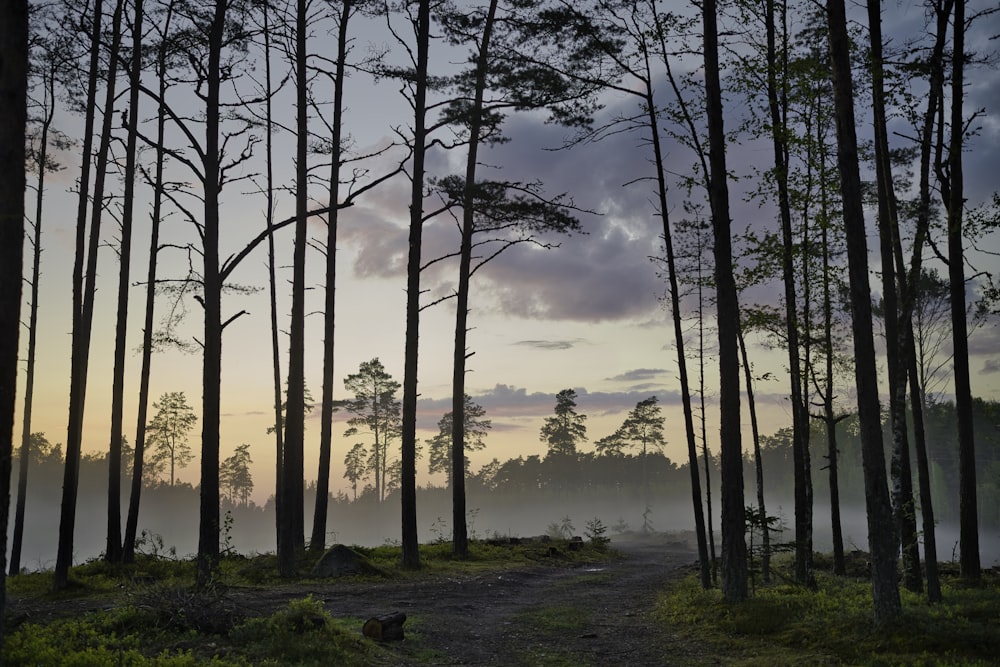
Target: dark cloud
{"type": "Point", "coordinates": [549, 344]}
{"type": "Point", "coordinates": [990, 366]}
{"type": "Point", "coordinates": [638, 374]}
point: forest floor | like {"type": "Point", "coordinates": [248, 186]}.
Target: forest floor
{"type": "Point", "coordinates": [594, 614]}
{"type": "Point", "coordinates": [551, 612]}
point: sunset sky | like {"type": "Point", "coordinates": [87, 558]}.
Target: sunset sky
{"type": "Point", "coordinates": [585, 315]}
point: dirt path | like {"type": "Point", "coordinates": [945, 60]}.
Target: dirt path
{"type": "Point", "coordinates": [593, 615]}
{"type": "Point", "coordinates": [540, 615]}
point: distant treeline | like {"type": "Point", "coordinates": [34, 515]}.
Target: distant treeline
{"type": "Point", "coordinates": [520, 495]}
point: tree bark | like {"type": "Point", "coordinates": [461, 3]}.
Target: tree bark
{"type": "Point", "coordinates": [968, 560]}
{"type": "Point", "coordinates": [777, 106]}
{"type": "Point", "coordinates": [902, 477]}
{"type": "Point", "coordinates": [84, 290]}
{"type": "Point", "coordinates": [881, 540]}
{"type": "Point", "coordinates": [113, 548]}
{"type": "Point", "coordinates": [408, 481]}
{"type": "Point", "coordinates": [13, 120]}
{"type": "Point", "coordinates": [29, 382]}
{"type": "Point", "coordinates": [734, 556]}
{"type": "Point", "coordinates": [138, 459]}
{"type": "Point", "coordinates": [293, 524]}
{"type": "Point", "coordinates": [208, 523]}
{"type": "Point", "coordinates": [326, 405]}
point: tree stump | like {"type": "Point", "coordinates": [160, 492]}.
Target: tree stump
{"type": "Point", "coordinates": [385, 628]}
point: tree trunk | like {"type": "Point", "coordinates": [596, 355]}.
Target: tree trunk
{"type": "Point", "coordinates": [968, 559]}
{"type": "Point", "coordinates": [902, 477]}
{"type": "Point", "coordinates": [326, 406]}
{"type": "Point", "coordinates": [293, 524]}
{"type": "Point", "coordinates": [113, 548]}
{"type": "Point", "coordinates": [765, 532]}
{"type": "Point", "coordinates": [84, 290]}
{"type": "Point", "coordinates": [734, 556]}
{"type": "Point", "coordinates": [132, 521]}
{"type": "Point", "coordinates": [777, 105]}
{"type": "Point", "coordinates": [675, 309]}
{"type": "Point", "coordinates": [13, 119]}
{"type": "Point", "coordinates": [408, 482]}
{"type": "Point", "coordinates": [881, 541]}
{"type": "Point", "coordinates": [460, 534]}
{"type": "Point", "coordinates": [29, 383]}
{"type": "Point", "coordinates": [208, 523]}
{"type": "Point", "coordinates": [279, 426]}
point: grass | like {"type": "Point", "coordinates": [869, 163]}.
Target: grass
{"type": "Point", "coordinates": [786, 624]}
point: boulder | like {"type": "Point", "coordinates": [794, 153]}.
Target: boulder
{"type": "Point", "coordinates": [340, 561]}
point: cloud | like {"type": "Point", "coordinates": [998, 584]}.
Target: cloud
{"type": "Point", "coordinates": [638, 374]}
{"type": "Point", "coordinates": [990, 366]}
{"type": "Point", "coordinates": [549, 344]}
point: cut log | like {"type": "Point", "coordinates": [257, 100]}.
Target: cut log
{"type": "Point", "coordinates": [385, 628]}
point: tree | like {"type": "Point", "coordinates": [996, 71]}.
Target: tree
{"type": "Point", "coordinates": [881, 542]}
{"type": "Point", "coordinates": [566, 429]}
{"type": "Point", "coordinates": [510, 219]}
{"type": "Point", "coordinates": [292, 522]}
{"type": "Point", "coordinates": [140, 476]}
{"type": "Point", "coordinates": [168, 431]}
{"type": "Point", "coordinates": [417, 85]}
{"type": "Point", "coordinates": [376, 412]}
{"type": "Point", "coordinates": [85, 274]}
{"type": "Point", "coordinates": [113, 548]}
{"type": "Point", "coordinates": [355, 466]}
{"type": "Point", "coordinates": [475, 430]}
{"type": "Point", "coordinates": [38, 154]}
{"type": "Point", "coordinates": [235, 475]}
{"type": "Point", "coordinates": [952, 191]}
{"type": "Point", "coordinates": [13, 121]}
{"type": "Point", "coordinates": [734, 555]}
{"type": "Point", "coordinates": [643, 428]}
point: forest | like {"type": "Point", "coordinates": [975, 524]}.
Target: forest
{"type": "Point", "coordinates": [227, 134]}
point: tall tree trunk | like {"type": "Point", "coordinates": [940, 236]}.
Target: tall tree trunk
{"type": "Point", "coordinates": [113, 548]}
{"type": "Point", "coordinates": [293, 524]}
{"type": "Point", "coordinates": [704, 563]}
{"type": "Point", "coordinates": [208, 512]}
{"type": "Point", "coordinates": [706, 458]}
{"type": "Point", "coordinates": [84, 289]}
{"type": "Point", "coordinates": [777, 105]}
{"type": "Point", "coordinates": [279, 426]}
{"type": "Point", "coordinates": [460, 537]}
{"type": "Point", "coordinates": [935, 94]}
{"type": "Point", "coordinates": [13, 119]}
{"type": "Point", "coordinates": [138, 459]}
{"type": "Point", "coordinates": [734, 556]}
{"type": "Point", "coordinates": [765, 532]}
{"type": "Point", "coordinates": [29, 382]}
{"type": "Point", "coordinates": [408, 483]}
{"type": "Point", "coordinates": [326, 405]}
{"type": "Point", "coordinates": [829, 416]}
{"type": "Point", "coordinates": [902, 477]}
{"type": "Point", "coordinates": [968, 559]}
{"type": "Point", "coordinates": [881, 541]}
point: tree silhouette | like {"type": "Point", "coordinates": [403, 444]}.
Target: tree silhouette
{"type": "Point", "coordinates": [566, 429]}
{"type": "Point", "coordinates": [168, 431]}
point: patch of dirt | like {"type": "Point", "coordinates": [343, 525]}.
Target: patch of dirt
{"type": "Point", "coordinates": [491, 619]}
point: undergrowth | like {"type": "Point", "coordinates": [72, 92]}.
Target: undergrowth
{"type": "Point", "coordinates": [787, 624]}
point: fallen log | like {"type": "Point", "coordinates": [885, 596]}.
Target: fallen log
{"type": "Point", "coordinates": [385, 628]}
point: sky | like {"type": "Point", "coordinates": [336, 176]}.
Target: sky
{"type": "Point", "coordinates": [586, 315]}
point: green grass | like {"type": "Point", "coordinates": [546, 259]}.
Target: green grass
{"type": "Point", "coordinates": [785, 624]}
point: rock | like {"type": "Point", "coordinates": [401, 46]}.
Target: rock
{"type": "Point", "coordinates": [340, 561]}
